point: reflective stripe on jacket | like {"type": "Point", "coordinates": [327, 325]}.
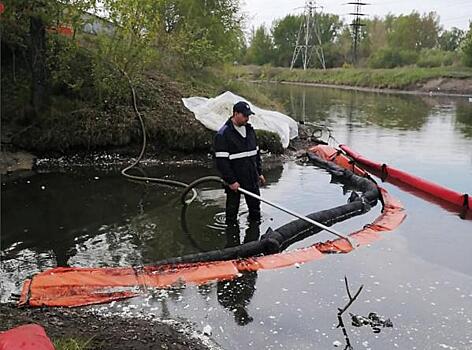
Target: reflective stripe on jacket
{"type": "Point", "coordinates": [238, 158]}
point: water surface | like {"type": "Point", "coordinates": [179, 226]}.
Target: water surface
{"type": "Point", "coordinates": [419, 276]}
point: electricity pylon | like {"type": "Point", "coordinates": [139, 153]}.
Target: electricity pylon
{"type": "Point", "coordinates": [309, 39]}
{"type": "Point", "coordinates": [356, 24]}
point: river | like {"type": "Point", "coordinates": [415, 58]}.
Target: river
{"type": "Point", "coordinates": [419, 276]}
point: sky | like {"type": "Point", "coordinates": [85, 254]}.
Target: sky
{"type": "Point", "coordinates": [452, 13]}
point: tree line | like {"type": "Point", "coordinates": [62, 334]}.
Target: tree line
{"type": "Point", "coordinates": [187, 35]}
{"type": "Point", "coordinates": [45, 43]}
{"type": "Point", "coordinates": [391, 41]}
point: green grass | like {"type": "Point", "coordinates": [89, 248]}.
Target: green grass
{"type": "Point", "coordinates": [212, 81]}
{"type": "Point", "coordinates": [73, 344]}
{"type": "Point", "coordinates": [395, 78]}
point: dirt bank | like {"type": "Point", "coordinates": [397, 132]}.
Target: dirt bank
{"type": "Point", "coordinates": [446, 86]}
{"type": "Point", "coordinates": [103, 332]}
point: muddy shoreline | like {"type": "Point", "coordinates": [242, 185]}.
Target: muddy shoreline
{"type": "Point", "coordinates": [430, 89]}
{"type": "Point", "coordinates": [433, 87]}
{"type": "Point", "coordinates": [104, 332]}
{"type": "Point", "coordinates": [21, 163]}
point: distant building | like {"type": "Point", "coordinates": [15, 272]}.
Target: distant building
{"type": "Point", "coordinates": [95, 24]}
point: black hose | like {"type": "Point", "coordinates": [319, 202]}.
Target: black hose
{"type": "Point", "coordinates": [286, 235]}
{"type": "Point", "coordinates": [185, 204]}
{"type": "Point", "coordinates": [143, 148]}
{"type": "Point", "coordinates": [197, 182]}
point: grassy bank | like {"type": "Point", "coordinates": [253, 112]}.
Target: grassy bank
{"type": "Point", "coordinates": [95, 118]}
{"type": "Point", "coordinates": [405, 78]}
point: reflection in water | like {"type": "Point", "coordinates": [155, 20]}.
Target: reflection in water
{"type": "Point", "coordinates": [464, 118]}
{"type": "Point", "coordinates": [401, 130]}
{"type": "Point", "coordinates": [88, 218]}
{"type": "Point", "coordinates": [113, 246]}
{"type": "Point", "coordinates": [401, 112]}
{"type": "Point", "coordinates": [397, 112]}
{"type": "Point", "coordinates": [235, 295]}
{"type": "Point", "coordinates": [14, 271]}
{"type": "Point", "coordinates": [349, 121]}
{"type": "Point", "coordinates": [53, 211]}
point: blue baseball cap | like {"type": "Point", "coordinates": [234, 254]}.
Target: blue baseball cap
{"type": "Point", "coordinates": [243, 107]}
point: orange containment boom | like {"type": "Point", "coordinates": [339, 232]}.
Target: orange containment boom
{"type": "Point", "coordinates": [84, 286]}
{"type": "Point", "coordinates": [389, 173]}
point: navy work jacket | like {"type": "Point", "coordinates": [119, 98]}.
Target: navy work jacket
{"type": "Point", "coordinates": [237, 157]}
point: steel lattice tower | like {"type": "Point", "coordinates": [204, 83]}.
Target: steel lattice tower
{"type": "Point", "coordinates": [309, 39]}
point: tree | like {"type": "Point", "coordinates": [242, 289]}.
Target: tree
{"type": "Point", "coordinates": [285, 34]}
{"type": "Point", "coordinates": [450, 40]}
{"type": "Point", "coordinates": [261, 48]}
{"type": "Point", "coordinates": [203, 32]}
{"type": "Point", "coordinates": [414, 32]}
{"type": "Point", "coordinates": [25, 27]}
{"type": "Point", "coordinates": [136, 23]}
{"type": "Point", "coordinates": [37, 51]}
{"type": "Point", "coordinates": [466, 48]}
{"type": "Point", "coordinates": [376, 34]}
{"type": "Point", "coordinates": [344, 44]}
{"type": "Point", "coordinates": [429, 29]}
{"type": "Point", "coordinates": [330, 27]}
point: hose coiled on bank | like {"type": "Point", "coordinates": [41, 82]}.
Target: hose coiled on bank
{"type": "Point", "coordinates": [143, 148]}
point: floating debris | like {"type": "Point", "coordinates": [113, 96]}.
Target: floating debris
{"type": "Point", "coordinates": [207, 330]}
{"type": "Point", "coordinates": [373, 320]}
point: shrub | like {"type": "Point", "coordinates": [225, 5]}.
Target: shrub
{"type": "Point", "coordinates": [390, 58]}
{"type": "Point", "coordinates": [269, 141]}
{"type": "Point", "coordinates": [466, 48]}
{"type": "Point", "coordinates": [435, 58]}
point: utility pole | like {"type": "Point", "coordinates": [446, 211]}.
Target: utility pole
{"type": "Point", "coordinates": [309, 38]}
{"type": "Point", "coordinates": [356, 25]}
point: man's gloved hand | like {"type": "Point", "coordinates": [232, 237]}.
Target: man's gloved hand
{"type": "Point", "coordinates": [234, 186]}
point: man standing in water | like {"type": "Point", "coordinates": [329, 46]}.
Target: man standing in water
{"type": "Point", "coordinates": [239, 162]}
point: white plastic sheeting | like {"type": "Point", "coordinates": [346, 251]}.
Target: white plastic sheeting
{"type": "Point", "coordinates": [213, 113]}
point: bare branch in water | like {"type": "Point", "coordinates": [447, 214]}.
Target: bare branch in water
{"type": "Point", "coordinates": [341, 311]}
